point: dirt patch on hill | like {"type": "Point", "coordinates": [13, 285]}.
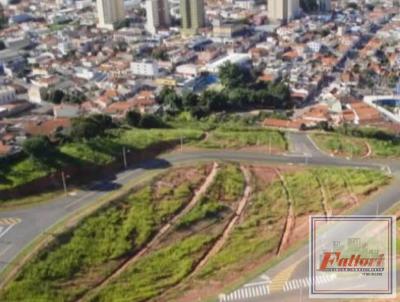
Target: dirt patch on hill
{"type": "Point", "coordinates": [267, 174]}
{"type": "Point", "coordinates": [178, 177]}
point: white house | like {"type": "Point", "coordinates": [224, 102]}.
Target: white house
{"type": "Point", "coordinates": [145, 68]}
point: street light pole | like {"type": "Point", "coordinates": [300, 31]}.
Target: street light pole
{"type": "Point", "coordinates": [181, 143]}
{"type": "Point", "coordinates": [64, 182]}
{"type": "Point", "coordinates": [269, 144]}
{"type": "Point", "coordinates": [124, 157]}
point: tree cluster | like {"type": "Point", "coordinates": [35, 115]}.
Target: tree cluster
{"type": "Point", "coordinates": [57, 96]}
{"type": "Point", "coordinates": [38, 147]}
{"type": "Point", "coordinates": [241, 92]}
{"type": "Point", "coordinates": [368, 133]}
{"type": "Point", "coordinates": [146, 121]}
{"type": "Point", "coordinates": [91, 126]}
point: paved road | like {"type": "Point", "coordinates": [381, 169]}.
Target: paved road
{"type": "Point", "coordinates": [300, 144]}
{"type": "Point", "coordinates": [23, 225]}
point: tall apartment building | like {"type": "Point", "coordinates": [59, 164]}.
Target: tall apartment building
{"type": "Point", "coordinates": [193, 16]}
{"type": "Point", "coordinates": [283, 10]}
{"type": "Point", "coordinates": [325, 5]}
{"type": "Point", "coordinates": [110, 12]}
{"type": "Point", "coordinates": [157, 14]}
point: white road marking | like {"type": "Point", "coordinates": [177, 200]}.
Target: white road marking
{"type": "Point", "coordinates": [79, 200]}
{"type": "Point", "coordinates": [258, 289]}
{"type": "Point", "coordinates": [3, 231]}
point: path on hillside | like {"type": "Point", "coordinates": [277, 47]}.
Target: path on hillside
{"type": "Point", "coordinates": [230, 226]}
{"type": "Point", "coordinates": [157, 238]}
{"type": "Point", "coordinates": [290, 218]}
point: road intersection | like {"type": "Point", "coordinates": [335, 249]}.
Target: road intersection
{"type": "Point", "coordinates": [33, 221]}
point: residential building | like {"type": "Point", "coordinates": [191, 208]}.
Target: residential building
{"type": "Point", "coordinates": [109, 13]}
{"type": "Point", "coordinates": [66, 111]}
{"type": "Point", "coordinates": [157, 15]}
{"type": "Point", "coordinates": [145, 68]}
{"type": "Point", "coordinates": [283, 10]}
{"type": "Point", "coordinates": [193, 16]}
{"type": "Point", "coordinates": [325, 5]}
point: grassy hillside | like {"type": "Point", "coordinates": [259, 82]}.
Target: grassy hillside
{"type": "Point", "coordinates": [80, 258]}
{"type": "Point", "coordinates": [93, 250]}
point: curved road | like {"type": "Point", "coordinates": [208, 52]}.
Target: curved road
{"type": "Point", "coordinates": [20, 226]}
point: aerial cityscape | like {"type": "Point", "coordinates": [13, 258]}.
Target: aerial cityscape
{"type": "Point", "coordinates": [184, 150]}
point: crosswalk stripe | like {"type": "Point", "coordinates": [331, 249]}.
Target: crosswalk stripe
{"type": "Point", "coordinates": [262, 289]}
{"type": "Point", "coordinates": [9, 221]}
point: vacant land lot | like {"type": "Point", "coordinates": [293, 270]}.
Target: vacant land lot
{"type": "Point", "coordinates": [97, 151]}
{"type": "Point", "coordinates": [281, 197]}
{"type": "Point", "coordinates": [81, 258]}
{"type": "Point", "coordinates": [343, 145]}
{"type": "Point", "coordinates": [273, 141]}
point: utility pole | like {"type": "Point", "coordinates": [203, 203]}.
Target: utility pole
{"type": "Point", "coordinates": [181, 143]}
{"type": "Point", "coordinates": [64, 182]}
{"type": "Point", "coordinates": [269, 144]}
{"type": "Point", "coordinates": [124, 157]}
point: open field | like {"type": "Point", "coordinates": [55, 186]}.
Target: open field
{"type": "Point", "coordinates": [271, 140]}
{"type": "Point", "coordinates": [88, 255]}
{"type": "Point", "coordinates": [80, 258]}
{"type": "Point", "coordinates": [342, 145]}
{"type": "Point", "coordinates": [98, 151]}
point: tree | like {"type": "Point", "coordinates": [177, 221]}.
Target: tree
{"type": "Point", "coordinates": [160, 54]}
{"type": "Point", "coordinates": [133, 118]}
{"type": "Point", "coordinates": [190, 100]}
{"type": "Point", "coordinates": [84, 128]}
{"type": "Point", "coordinates": [149, 121]}
{"type": "Point", "coordinates": [102, 121]}
{"type": "Point", "coordinates": [213, 100]}
{"type": "Point", "coordinates": [51, 95]}
{"type": "Point", "coordinates": [37, 147]}
{"type": "Point", "coordinates": [233, 76]}
{"type": "Point", "coordinates": [170, 100]}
